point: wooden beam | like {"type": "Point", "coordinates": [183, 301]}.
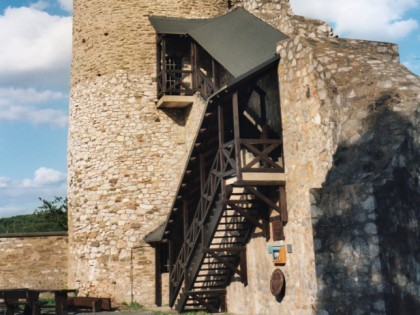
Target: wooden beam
{"type": "Point", "coordinates": [227, 249]}
{"type": "Point", "coordinates": [236, 134]}
{"type": "Point", "coordinates": [202, 172]}
{"type": "Point", "coordinates": [283, 204]}
{"type": "Point", "coordinates": [261, 155]}
{"type": "Point", "coordinates": [158, 276]}
{"type": "Point", "coordinates": [194, 65]}
{"type": "Point", "coordinates": [221, 135]}
{"type": "Point", "coordinates": [170, 267]}
{"type": "Point", "coordinates": [244, 268]}
{"type": "Point", "coordinates": [227, 264]}
{"type": "Point", "coordinates": [163, 64]}
{"type": "Point", "coordinates": [159, 62]}
{"type": "Point", "coordinates": [265, 199]}
{"type": "Point", "coordinates": [246, 215]}
{"type": "Point", "coordinates": [185, 217]}
{"type": "Point", "coordinates": [260, 183]}
{"type": "Point", "coordinates": [209, 291]}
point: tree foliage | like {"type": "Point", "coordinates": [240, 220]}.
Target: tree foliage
{"type": "Point", "coordinates": [51, 216]}
{"type": "Point", "coordinates": [54, 211]}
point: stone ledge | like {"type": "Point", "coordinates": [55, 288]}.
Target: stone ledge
{"type": "Point", "coordinates": [175, 101]}
{"type": "Point", "coordinates": [35, 234]}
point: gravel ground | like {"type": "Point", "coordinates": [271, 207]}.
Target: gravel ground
{"type": "Point", "coordinates": [116, 312]}
{"type": "Point", "coordinates": [123, 313]}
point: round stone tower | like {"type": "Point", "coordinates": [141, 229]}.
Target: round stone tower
{"type": "Point", "coordinates": [124, 155]}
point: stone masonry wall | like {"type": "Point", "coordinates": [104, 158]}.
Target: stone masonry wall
{"type": "Point", "coordinates": [33, 261]}
{"type": "Point", "coordinates": [125, 156]}
{"type": "Point", "coordinates": [347, 250]}
{"type": "Point", "coordinates": [279, 14]}
{"type": "Point", "coordinates": [350, 125]}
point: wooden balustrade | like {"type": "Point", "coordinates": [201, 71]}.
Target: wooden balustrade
{"type": "Point", "coordinates": [184, 82]}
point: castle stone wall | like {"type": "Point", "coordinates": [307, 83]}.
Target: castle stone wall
{"type": "Point", "coordinates": [350, 112]}
{"type": "Point", "coordinates": [279, 14]}
{"type": "Point", "coordinates": [347, 109]}
{"type": "Point", "coordinates": [33, 261]}
{"type": "Point", "coordinates": [125, 156]}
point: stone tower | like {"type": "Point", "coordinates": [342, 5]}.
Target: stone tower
{"type": "Point", "coordinates": [349, 128]}
{"type": "Point", "coordinates": [124, 155]}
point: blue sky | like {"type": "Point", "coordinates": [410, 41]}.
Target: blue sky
{"type": "Point", "coordinates": [35, 55]}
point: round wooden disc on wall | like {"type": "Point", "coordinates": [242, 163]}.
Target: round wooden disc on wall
{"type": "Point", "coordinates": [277, 282]}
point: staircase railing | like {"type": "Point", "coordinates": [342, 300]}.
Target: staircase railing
{"type": "Point", "coordinates": [184, 82]}
{"type": "Point", "coordinates": [229, 166]}
{"type": "Point", "coordinates": [211, 189]}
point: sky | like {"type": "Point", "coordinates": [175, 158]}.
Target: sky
{"type": "Point", "coordinates": [35, 56]}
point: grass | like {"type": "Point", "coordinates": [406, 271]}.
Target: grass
{"type": "Point", "coordinates": [47, 301]}
{"type": "Point", "coordinates": [133, 306]}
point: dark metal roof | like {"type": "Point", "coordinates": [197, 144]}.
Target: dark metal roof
{"type": "Point", "coordinates": [167, 25]}
{"type": "Point", "coordinates": [156, 235]}
{"type": "Point", "coordinates": [238, 40]}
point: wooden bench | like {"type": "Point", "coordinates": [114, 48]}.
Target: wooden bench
{"type": "Point", "coordinates": [14, 298]}
{"type": "Point", "coordinates": [94, 303]}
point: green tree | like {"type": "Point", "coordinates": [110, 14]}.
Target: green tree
{"type": "Point", "coordinates": [54, 211]}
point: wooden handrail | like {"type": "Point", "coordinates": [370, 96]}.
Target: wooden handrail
{"type": "Point", "coordinates": [218, 171]}
{"type": "Point", "coordinates": [176, 78]}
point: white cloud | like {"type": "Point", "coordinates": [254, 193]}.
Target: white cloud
{"type": "Point", "coordinates": [21, 196]}
{"type": "Point", "coordinates": [36, 46]}
{"type": "Point", "coordinates": [66, 5]}
{"type": "Point", "coordinates": [4, 182]}
{"type": "Point", "coordinates": [365, 19]}
{"type": "Point", "coordinates": [44, 177]}
{"type": "Point", "coordinates": [28, 96]}
{"type": "Point", "coordinates": [40, 5]}
{"type": "Point", "coordinates": [17, 104]}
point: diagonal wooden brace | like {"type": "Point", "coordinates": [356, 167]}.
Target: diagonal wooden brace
{"type": "Point", "coordinates": [241, 273]}
{"type": "Point", "coordinates": [265, 199]}
{"type": "Point", "coordinates": [249, 218]}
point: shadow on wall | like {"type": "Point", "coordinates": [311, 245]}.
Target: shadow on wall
{"type": "Point", "coordinates": [366, 216]}
{"type": "Point", "coordinates": [178, 116]}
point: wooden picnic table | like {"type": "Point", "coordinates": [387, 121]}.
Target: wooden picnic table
{"type": "Point", "coordinates": [60, 297]}
{"type": "Point", "coordinates": [30, 299]}
{"type": "Point", "coordinates": [13, 298]}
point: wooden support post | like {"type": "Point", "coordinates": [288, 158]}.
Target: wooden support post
{"type": "Point", "coordinates": [159, 69]}
{"type": "Point", "coordinates": [185, 217]}
{"type": "Point", "coordinates": [264, 134]}
{"type": "Point", "coordinates": [158, 276]}
{"type": "Point", "coordinates": [237, 136]}
{"type": "Point", "coordinates": [244, 269]}
{"type": "Point", "coordinates": [221, 129]}
{"type": "Point", "coordinates": [215, 74]}
{"type": "Point", "coordinates": [202, 172]}
{"type": "Point", "coordinates": [283, 204]}
{"type": "Point", "coordinates": [163, 64]}
{"type": "Point", "coordinates": [194, 66]}
{"type": "Point", "coordinates": [266, 229]}
{"type": "Point", "coordinates": [170, 265]}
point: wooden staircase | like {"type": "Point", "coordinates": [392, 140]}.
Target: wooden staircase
{"type": "Point", "coordinates": [222, 253]}
{"type": "Point", "coordinates": [232, 182]}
